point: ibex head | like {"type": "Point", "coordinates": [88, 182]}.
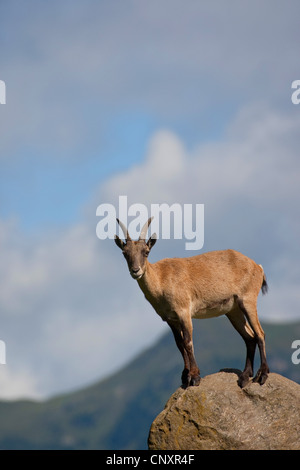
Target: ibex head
{"type": "Point", "coordinates": [136, 252]}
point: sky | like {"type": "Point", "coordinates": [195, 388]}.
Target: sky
{"type": "Point", "coordinates": [162, 102]}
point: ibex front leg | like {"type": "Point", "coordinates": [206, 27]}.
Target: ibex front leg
{"type": "Point", "coordinates": [183, 334]}
{"type": "Point", "coordinates": [187, 334]}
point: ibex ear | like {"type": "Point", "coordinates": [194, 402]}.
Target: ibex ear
{"type": "Point", "coordinates": [152, 240]}
{"type": "Point", "coordinates": [119, 242]}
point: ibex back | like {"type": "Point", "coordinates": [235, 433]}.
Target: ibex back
{"type": "Point", "coordinates": [208, 285]}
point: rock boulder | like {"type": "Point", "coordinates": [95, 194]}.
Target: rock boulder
{"type": "Point", "coordinates": [220, 415]}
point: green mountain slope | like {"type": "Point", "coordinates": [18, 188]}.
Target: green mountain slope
{"type": "Point", "coordinates": [116, 413]}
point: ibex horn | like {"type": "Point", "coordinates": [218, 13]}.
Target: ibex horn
{"type": "Point", "coordinates": [125, 231]}
{"type": "Point", "coordinates": [145, 228]}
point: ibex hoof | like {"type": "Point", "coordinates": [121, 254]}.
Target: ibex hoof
{"type": "Point", "coordinates": [243, 380]}
{"type": "Point", "coordinates": [188, 380]}
{"type": "Point", "coordinates": [195, 381]}
{"type": "Point", "coordinates": [261, 376]}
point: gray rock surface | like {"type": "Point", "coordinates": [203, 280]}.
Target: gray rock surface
{"type": "Point", "coordinates": [220, 415]}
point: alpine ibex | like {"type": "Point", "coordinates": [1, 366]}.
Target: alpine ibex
{"type": "Point", "coordinates": [208, 285]}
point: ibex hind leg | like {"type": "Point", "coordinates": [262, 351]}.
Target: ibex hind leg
{"type": "Point", "coordinates": [249, 309]}
{"type": "Point", "coordinates": [238, 321]}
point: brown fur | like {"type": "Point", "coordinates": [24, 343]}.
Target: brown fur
{"type": "Point", "coordinates": [208, 285]}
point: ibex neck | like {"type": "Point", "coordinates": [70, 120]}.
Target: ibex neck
{"type": "Point", "coordinates": [148, 282]}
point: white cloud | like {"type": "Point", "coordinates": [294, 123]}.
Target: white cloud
{"type": "Point", "coordinates": [257, 160]}
{"type": "Point", "coordinates": [152, 180]}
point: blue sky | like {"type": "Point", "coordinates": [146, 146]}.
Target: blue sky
{"type": "Point", "coordinates": [163, 101]}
